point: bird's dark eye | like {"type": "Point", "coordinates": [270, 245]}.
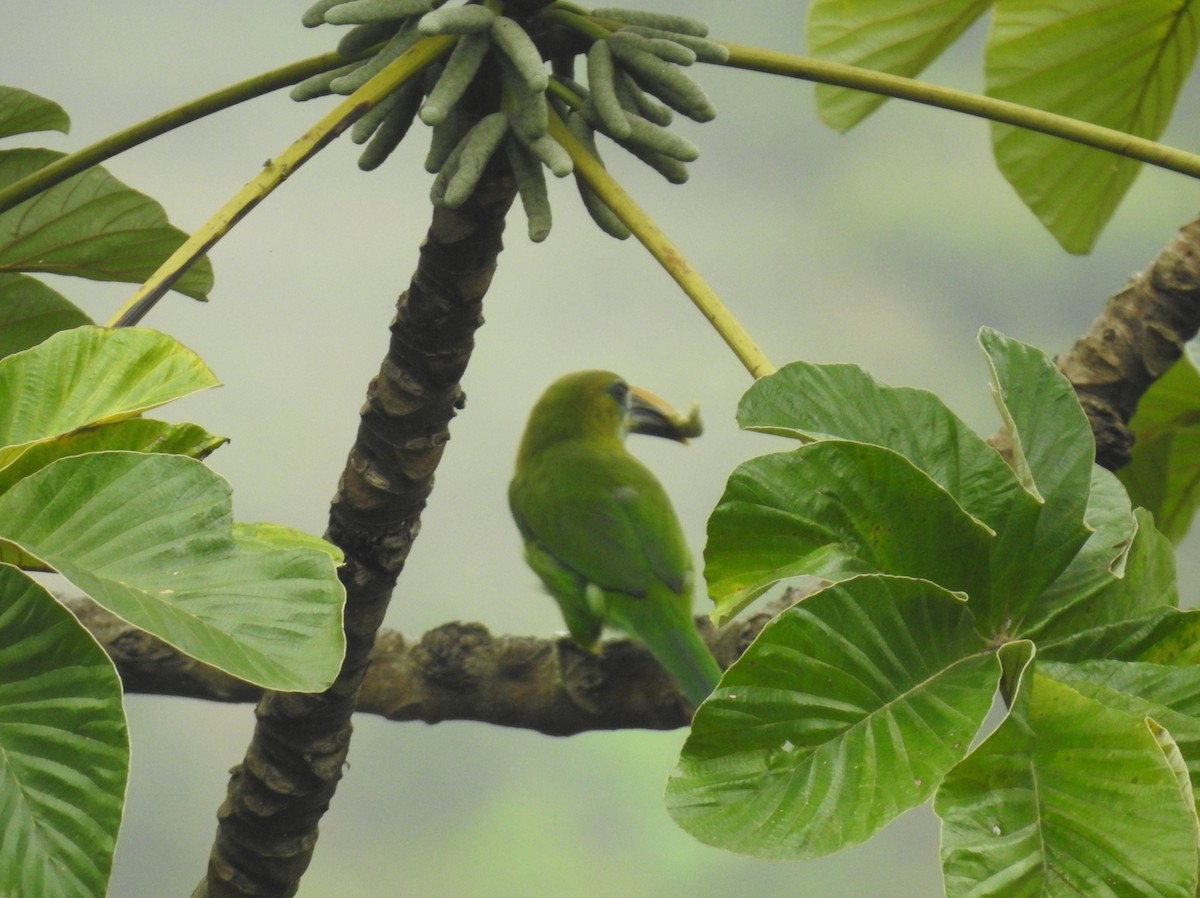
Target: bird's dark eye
{"type": "Point", "coordinates": [619, 390]}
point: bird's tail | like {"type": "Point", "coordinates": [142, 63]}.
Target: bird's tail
{"type": "Point", "coordinates": [691, 664]}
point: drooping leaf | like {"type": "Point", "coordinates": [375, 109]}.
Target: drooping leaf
{"type": "Point", "coordinates": [90, 226]}
{"type": "Point", "coordinates": [89, 376]}
{"type": "Point", "coordinates": [1117, 63]}
{"type": "Point", "coordinates": [847, 710]}
{"type": "Point", "coordinates": [22, 112]}
{"type": "Point", "coordinates": [30, 312]}
{"type": "Point", "coordinates": [133, 434]}
{"type": "Point", "coordinates": [835, 509]}
{"type": "Point", "coordinates": [64, 748]}
{"type": "Point", "coordinates": [150, 537]}
{"type": "Point", "coordinates": [1069, 796]}
{"type": "Point", "coordinates": [1164, 473]}
{"type": "Point", "coordinates": [899, 37]}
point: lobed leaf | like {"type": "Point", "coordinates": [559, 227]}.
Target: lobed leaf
{"type": "Point", "coordinates": [835, 509]}
{"type": "Point", "coordinates": [847, 709]}
{"type": "Point", "coordinates": [150, 537]}
{"type": "Point", "coordinates": [90, 225]}
{"type": "Point", "coordinates": [895, 36]}
{"type": "Point", "coordinates": [64, 748]}
{"type": "Point", "coordinates": [30, 312]}
{"type": "Point", "coordinates": [22, 112]}
{"type": "Point", "coordinates": [89, 376]}
{"type": "Point", "coordinates": [1117, 63]}
{"type": "Point", "coordinates": [1069, 796]}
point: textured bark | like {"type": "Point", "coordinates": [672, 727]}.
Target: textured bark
{"type": "Point", "coordinates": [461, 672]}
{"type": "Point", "coordinates": [268, 823]}
{"type": "Point", "coordinates": [1132, 343]}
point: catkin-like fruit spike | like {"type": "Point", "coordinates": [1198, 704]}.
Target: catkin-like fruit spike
{"type": "Point", "coordinates": [635, 100]}
{"type": "Point", "coordinates": [478, 146]}
{"type": "Point", "coordinates": [470, 19]}
{"type": "Point", "coordinates": [660, 140]}
{"type": "Point", "coordinates": [318, 85]}
{"type": "Point", "coordinates": [552, 154]}
{"type": "Point", "coordinates": [705, 50]}
{"type": "Point", "coordinates": [361, 37]}
{"type": "Point", "coordinates": [604, 99]}
{"type": "Point", "coordinates": [445, 138]}
{"type": "Point", "coordinates": [531, 184]}
{"type": "Point", "coordinates": [665, 81]}
{"type": "Point", "coordinates": [666, 50]}
{"type": "Point", "coordinates": [456, 77]}
{"type": "Point", "coordinates": [404, 38]}
{"type": "Point", "coordinates": [530, 117]}
{"type": "Point", "coordinates": [667, 166]}
{"type": "Point", "coordinates": [512, 40]}
{"type": "Point", "coordinates": [365, 126]}
{"type": "Point", "coordinates": [660, 20]}
{"type": "Point", "coordinates": [315, 14]}
{"type": "Point", "coordinates": [603, 216]}
{"type": "Point", "coordinates": [392, 129]}
{"type": "Point", "coordinates": [358, 11]}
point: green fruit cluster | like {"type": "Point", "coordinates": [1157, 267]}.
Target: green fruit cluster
{"type": "Point", "coordinates": [635, 82]}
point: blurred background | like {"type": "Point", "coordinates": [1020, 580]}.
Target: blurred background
{"type": "Point", "coordinates": [888, 247]}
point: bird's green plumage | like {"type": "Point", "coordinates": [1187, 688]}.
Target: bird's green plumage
{"type": "Point", "coordinates": [599, 529]}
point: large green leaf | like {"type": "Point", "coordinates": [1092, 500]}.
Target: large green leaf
{"type": "Point", "coordinates": [64, 750]}
{"type": "Point", "coordinates": [89, 376]}
{"type": "Point", "coordinates": [811, 402]}
{"type": "Point", "coordinates": [90, 226]}
{"type": "Point", "coordinates": [1164, 473]}
{"type": "Point", "coordinates": [834, 509]}
{"type": "Point", "coordinates": [899, 37]}
{"type": "Point", "coordinates": [22, 112]}
{"type": "Point", "coordinates": [848, 709]}
{"type": "Point", "coordinates": [1168, 693]}
{"type": "Point", "coordinates": [1117, 63]}
{"type": "Point", "coordinates": [150, 537]}
{"type": "Point", "coordinates": [30, 312]}
{"type": "Point", "coordinates": [1069, 796]}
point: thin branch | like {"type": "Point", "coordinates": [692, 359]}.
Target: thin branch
{"type": "Point", "coordinates": [777, 63]}
{"type": "Point", "coordinates": [461, 671]}
{"type": "Point", "coordinates": [1132, 343]}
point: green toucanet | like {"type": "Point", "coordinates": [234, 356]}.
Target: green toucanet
{"type": "Point", "coordinates": [599, 529]}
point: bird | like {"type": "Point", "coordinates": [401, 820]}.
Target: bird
{"type": "Point", "coordinates": [599, 529]}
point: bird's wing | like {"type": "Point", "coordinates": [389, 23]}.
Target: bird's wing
{"type": "Point", "coordinates": [604, 515]}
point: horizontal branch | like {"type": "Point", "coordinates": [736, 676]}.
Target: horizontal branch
{"type": "Point", "coordinates": [460, 671]}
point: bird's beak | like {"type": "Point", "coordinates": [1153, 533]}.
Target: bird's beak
{"type": "Point", "coordinates": [650, 415]}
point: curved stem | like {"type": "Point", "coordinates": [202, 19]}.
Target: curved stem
{"type": "Point", "coordinates": [277, 170]}
{"type": "Point", "coordinates": [776, 63]}
{"type": "Point", "coordinates": [660, 246]}
{"type": "Point", "coordinates": [73, 163]}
